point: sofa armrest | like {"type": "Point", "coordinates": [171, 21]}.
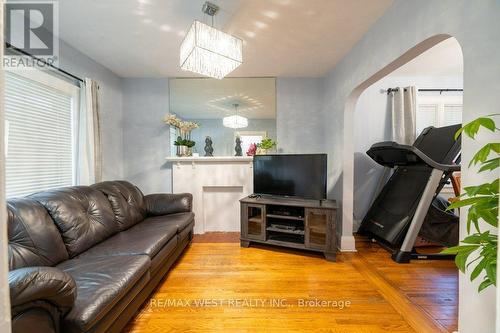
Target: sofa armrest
{"type": "Point", "coordinates": [164, 204]}
{"type": "Point", "coordinates": [49, 284]}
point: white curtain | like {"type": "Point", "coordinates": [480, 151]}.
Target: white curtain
{"type": "Point", "coordinates": [89, 163]}
{"type": "Point", "coordinates": [404, 106]}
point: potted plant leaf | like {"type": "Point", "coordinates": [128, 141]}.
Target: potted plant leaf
{"type": "Point", "coordinates": [478, 251]}
{"type": "Point", "coordinates": [265, 145]}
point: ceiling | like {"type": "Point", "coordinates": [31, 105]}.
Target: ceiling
{"type": "Point", "coordinates": [215, 99]}
{"type": "Point", "coordinates": [444, 59]}
{"type": "Point", "coordinates": [141, 38]}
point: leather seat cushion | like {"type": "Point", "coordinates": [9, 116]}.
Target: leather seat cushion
{"type": "Point", "coordinates": [164, 253]}
{"type": "Point", "coordinates": [83, 216]}
{"type": "Point", "coordinates": [101, 282]}
{"type": "Point", "coordinates": [33, 237]}
{"type": "Point", "coordinates": [143, 238]}
{"type": "Point", "coordinates": [180, 220]}
{"type": "Point", "coordinates": [126, 200]}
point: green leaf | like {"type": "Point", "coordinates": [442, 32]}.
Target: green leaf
{"type": "Point", "coordinates": [485, 284]}
{"type": "Point", "coordinates": [491, 271]}
{"type": "Point", "coordinates": [458, 133]}
{"type": "Point", "coordinates": [484, 189]}
{"type": "Point", "coordinates": [490, 217]}
{"type": "Point", "coordinates": [482, 155]}
{"type": "Point", "coordinates": [490, 165]}
{"type": "Point", "coordinates": [451, 250]}
{"type": "Point", "coordinates": [478, 269]}
{"type": "Point", "coordinates": [495, 185]}
{"type": "Point", "coordinates": [462, 255]}
{"type": "Point", "coordinates": [487, 123]}
{"type": "Point", "coordinates": [470, 201]}
{"type": "Point", "coordinates": [473, 239]}
{"type": "Point", "coordinates": [472, 128]}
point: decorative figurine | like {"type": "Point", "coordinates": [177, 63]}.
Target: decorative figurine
{"type": "Point", "coordinates": [252, 149]}
{"type": "Point", "coordinates": [209, 150]}
{"type": "Point", "coordinates": [238, 147]}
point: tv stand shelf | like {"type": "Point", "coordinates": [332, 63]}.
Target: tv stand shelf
{"type": "Point", "coordinates": [285, 217]}
{"type": "Point", "coordinates": [290, 222]}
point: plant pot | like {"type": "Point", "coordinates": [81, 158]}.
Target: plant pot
{"type": "Point", "coordinates": [183, 151]}
{"type": "Point", "coordinates": [261, 151]}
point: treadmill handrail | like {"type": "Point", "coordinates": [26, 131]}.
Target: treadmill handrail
{"type": "Point", "coordinates": [411, 149]}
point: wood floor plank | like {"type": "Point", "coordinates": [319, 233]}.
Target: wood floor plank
{"type": "Point", "coordinates": [381, 300]}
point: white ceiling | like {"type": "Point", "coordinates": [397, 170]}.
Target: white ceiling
{"type": "Point", "coordinates": [214, 99]}
{"type": "Point", "coordinates": [141, 38]}
{"type": "Point", "coordinates": [444, 59]}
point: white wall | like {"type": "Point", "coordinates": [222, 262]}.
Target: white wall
{"type": "Point", "coordinates": [475, 24]}
{"type": "Point", "coordinates": [82, 66]}
{"type": "Point", "coordinates": [146, 139]}
{"type": "Point", "coordinates": [373, 123]}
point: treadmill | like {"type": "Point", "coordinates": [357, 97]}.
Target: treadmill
{"type": "Point", "coordinates": [409, 198]}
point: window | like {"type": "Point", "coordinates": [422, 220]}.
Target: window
{"type": "Point", "coordinates": [247, 138]}
{"type": "Point", "coordinates": [438, 111]}
{"type": "Point", "coordinates": [40, 112]}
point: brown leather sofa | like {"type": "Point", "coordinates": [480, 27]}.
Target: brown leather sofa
{"type": "Point", "coordinates": [84, 258]}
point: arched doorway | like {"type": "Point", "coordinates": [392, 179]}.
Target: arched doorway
{"type": "Point", "coordinates": [348, 199]}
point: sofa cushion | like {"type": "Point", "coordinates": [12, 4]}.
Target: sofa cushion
{"type": "Point", "coordinates": [33, 237]}
{"type": "Point", "coordinates": [126, 200]}
{"type": "Point", "coordinates": [101, 282]}
{"type": "Point", "coordinates": [162, 256]}
{"type": "Point", "coordinates": [167, 203]}
{"type": "Point", "coordinates": [83, 216]}
{"type": "Point", "coordinates": [180, 220]}
{"type": "Point", "coordinates": [143, 238]}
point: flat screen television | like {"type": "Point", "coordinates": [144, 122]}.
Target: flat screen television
{"type": "Point", "coordinates": [302, 175]}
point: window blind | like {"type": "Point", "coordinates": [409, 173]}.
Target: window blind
{"type": "Point", "coordinates": [40, 136]}
{"type": "Point", "coordinates": [452, 114]}
{"type": "Point", "coordinates": [427, 115]}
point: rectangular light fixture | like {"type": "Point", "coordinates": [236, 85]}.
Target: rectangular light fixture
{"type": "Point", "coordinates": [210, 52]}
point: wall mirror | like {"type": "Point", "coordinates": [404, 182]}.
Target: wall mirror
{"type": "Point", "coordinates": [224, 109]}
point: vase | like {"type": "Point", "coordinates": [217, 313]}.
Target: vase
{"type": "Point", "coordinates": [183, 151]}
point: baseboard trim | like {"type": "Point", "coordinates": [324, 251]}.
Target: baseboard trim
{"type": "Point", "coordinates": [347, 244]}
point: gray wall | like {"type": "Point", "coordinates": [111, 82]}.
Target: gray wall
{"type": "Point", "coordinates": [373, 123]}
{"type": "Point", "coordinates": [82, 66]}
{"type": "Point", "coordinates": [475, 24]}
{"type": "Point", "coordinates": [299, 101]}
{"type": "Point", "coordinates": [223, 137]}
{"type": "Point", "coordinates": [145, 136]}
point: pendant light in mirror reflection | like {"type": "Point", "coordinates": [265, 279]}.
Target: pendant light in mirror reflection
{"type": "Point", "coordinates": [208, 51]}
{"type": "Point", "coordinates": [235, 121]}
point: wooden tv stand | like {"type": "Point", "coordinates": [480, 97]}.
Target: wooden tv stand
{"type": "Point", "coordinates": [294, 223]}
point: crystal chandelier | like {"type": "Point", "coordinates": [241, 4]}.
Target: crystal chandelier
{"type": "Point", "coordinates": [208, 51]}
{"type": "Point", "coordinates": [235, 121]}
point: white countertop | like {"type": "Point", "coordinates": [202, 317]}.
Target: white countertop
{"type": "Point", "coordinates": [210, 159]}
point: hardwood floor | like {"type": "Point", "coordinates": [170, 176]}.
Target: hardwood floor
{"type": "Point", "coordinates": [216, 286]}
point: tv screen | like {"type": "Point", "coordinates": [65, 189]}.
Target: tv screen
{"type": "Point", "coordinates": [301, 176]}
